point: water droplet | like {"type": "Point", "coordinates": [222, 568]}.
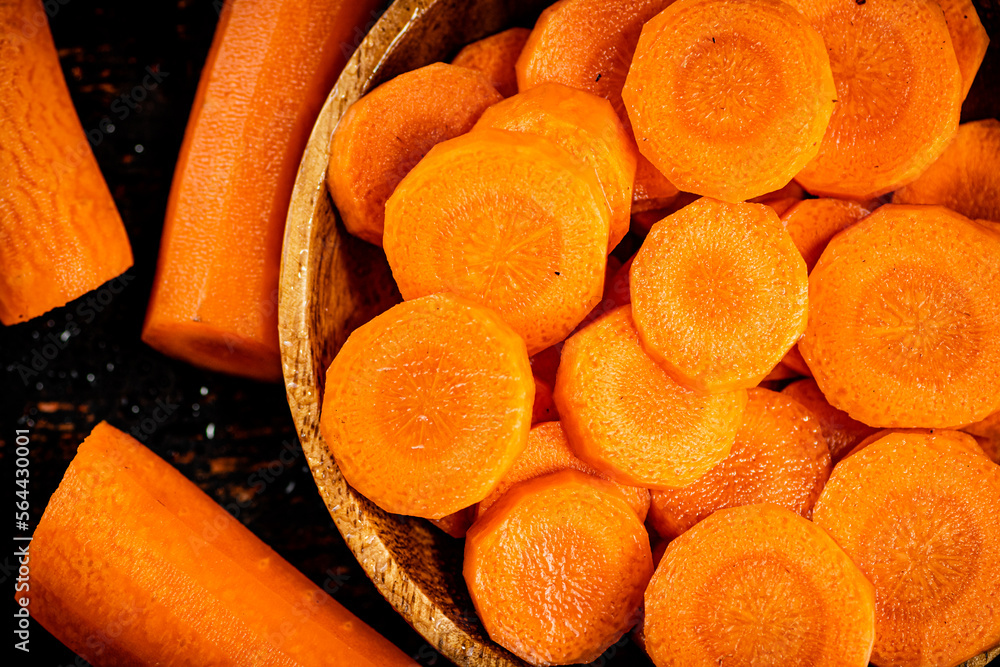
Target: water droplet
{"type": "Point", "coordinates": [210, 431]}
{"type": "Point", "coordinates": [203, 391]}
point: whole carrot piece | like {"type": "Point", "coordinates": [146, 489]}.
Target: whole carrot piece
{"type": "Point", "coordinates": [60, 233]}
{"type": "Point", "coordinates": [132, 564]}
{"type": "Point", "coordinates": [272, 64]}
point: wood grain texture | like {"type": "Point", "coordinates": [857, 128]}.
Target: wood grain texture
{"type": "Point", "coordinates": [331, 283]}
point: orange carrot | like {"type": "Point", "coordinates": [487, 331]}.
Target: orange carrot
{"type": "Point", "coordinates": [904, 329]}
{"type": "Point", "coordinates": [427, 405]}
{"type": "Point", "coordinates": [964, 440]}
{"type": "Point", "coordinates": [557, 567]}
{"type": "Point", "coordinates": [133, 564]}
{"type": "Point", "coordinates": [627, 417]}
{"type": "Point", "coordinates": [548, 451]}
{"type": "Point", "coordinates": [840, 431]}
{"type": "Point", "coordinates": [509, 220]}
{"type": "Point", "coordinates": [898, 98]}
{"type": "Point", "coordinates": [729, 99]}
{"type": "Point", "coordinates": [385, 133]}
{"type": "Point", "coordinates": [758, 585]}
{"type": "Point", "coordinates": [719, 294]}
{"type": "Point", "coordinates": [458, 523]}
{"type": "Point", "coordinates": [917, 514]}
{"type": "Point", "coordinates": [215, 296]}
{"type": "Point", "coordinates": [587, 127]}
{"type": "Point", "coordinates": [813, 222]}
{"type": "Point", "coordinates": [987, 434]}
{"type": "Point", "coordinates": [545, 364]}
{"type": "Point", "coordinates": [544, 407]}
{"type": "Point", "coordinates": [495, 56]}
{"type": "Point", "coordinates": [793, 360]}
{"type": "Point", "coordinates": [780, 457]}
{"type": "Point", "coordinates": [965, 178]}
{"type": "Point", "coordinates": [60, 233]}
{"type": "Point", "coordinates": [968, 37]}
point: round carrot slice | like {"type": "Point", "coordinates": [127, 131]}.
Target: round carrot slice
{"type": "Point", "coordinates": [587, 127]}
{"type": "Point", "coordinates": [758, 585]}
{"type": "Point", "coordinates": [987, 434]}
{"type": "Point", "coordinates": [794, 361]}
{"type": "Point", "coordinates": [968, 36]}
{"type": "Point", "coordinates": [841, 432]}
{"type": "Point", "coordinates": [729, 99]}
{"type": "Point", "coordinates": [904, 321]}
{"type": "Point", "coordinates": [918, 514]}
{"type": "Point", "coordinates": [959, 438]}
{"type": "Point", "coordinates": [627, 417]}
{"type": "Point", "coordinates": [899, 94]}
{"type": "Point", "coordinates": [813, 222]}
{"type": "Point", "coordinates": [719, 294]}
{"type": "Point", "coordinates": [385, 133]}
{"type": "Point", "coordinates": [780, 457]}
{"type": "Point", "coordinates": [495, 56]}
{"type": "Point", "coordinates": [548, 451]}
{"type": "Point", "coordinates": [428, 405]}
{"type": "Point", "coordinates": [557, 568]}
{"type": "Point", "coordinates": [966, 178]}
{"type": "Point", "coordinates": [509, 220]}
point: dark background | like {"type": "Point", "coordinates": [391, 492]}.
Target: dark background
{"type": "Point", "coordinates": [224, 433]}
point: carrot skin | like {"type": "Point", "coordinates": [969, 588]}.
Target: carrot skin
{"type": "Point", "coordinates": [132, 564]}
{"type": "Point", "coordinates": [214, 300]}
{"type": "Point", "coordinates": [60, 233]}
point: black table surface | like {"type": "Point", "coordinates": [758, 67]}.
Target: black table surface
{"type": "Point", "coordinates": [69, 369]}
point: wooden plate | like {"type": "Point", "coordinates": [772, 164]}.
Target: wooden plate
{"type": "Point", "coordinates": [331, 283]}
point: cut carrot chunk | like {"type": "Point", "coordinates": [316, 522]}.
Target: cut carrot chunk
{"type": "Point", "coordinates": [813, 222]}
{"type": "Point", "coordinates": [899, 94]}
{"type": "Point", "coordinates": [729, 99]}
{"type": "Point", "coordinates": [509, 220]}
{"type": "Point", "coordinates": [965, 178]}
{"type": "Point", "coordinates": [132, 564]}
{"type": "Point", "coordinates": [651, 189]}
{"type": "Point", "coordinates": [987, 434]}
{"type": "Point", "coordinates": [917, 513]}
{"type": "Point", "coordinates": [627, 417]}
{"type": "Point", "coordinates": [758, 585]}
{"type": "Point", "coordinates": [841, 432]}
{"type": "Point", "coordinates": [780, 457]}
{"type": "Point", "coordinates": [427, 405]}
{"type": "Point", "coordinates": [60, 233]}
{"type": "Point", "coordinates": [457, 524]}
{"type": "Point", "coordinates": [557, 568]}
{"type": "Point", "coordinates": [780, 372]}
{"type": "Point", "coordinates": [548, 451]}
{"type": "Point", "coordinates": [385, 133]}
{"type": "Point", "coordinates": [587, 127]}
{"type": "Point", "coordinates": [496, 56]}
{"type": "Point", "coordinates": [719, 294]}
{"type": "Point", "coordinates": [965, 440]}
{"type": "Point", "coordinates": [904, 321]}
{"type": "Point", "coordinates": [544, 407]}
{"type": "Point", "coordinates": [795, 362]}
{"type": "Point", "coordinates": [215, 296]}
{"type": "Point", "coordinates": [968, 37]}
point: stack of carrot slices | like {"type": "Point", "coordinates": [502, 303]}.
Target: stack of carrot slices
{"type": "Point", "coordinates": [794, 385]}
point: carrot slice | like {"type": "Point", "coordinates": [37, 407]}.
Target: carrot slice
{"type": "Point", "coordinates": [904, 328]}
{"type": "Point", "coordinates": [588, 44]}
{"type": "Point", "coordinates": [958, 438]}
{"type": "Point", "coordinates": [780, 372]}
{"type": "Point", "coordinates": [427, 405]}
{"type": "Point", "coordinates": [385, 133]}
{"type": "Point", "coordinates": [729, 99]}
{"type": "Point", "coordinates": [557, 568]}
{"type": "Point", "coordinates": [793, 359]}
{"type": "Point", "coordinates": [758, 585]}
{"type": "Point", "coordinates": [780, 457]}
{"type": "Point", "coordinates": [968, 37]}
{"type": "Point", "coordinates": [458, 523]}
{"type": "Point", "coordinates": [495, 56]}
{"type": "Point", "coordinates": [917, 513]}
{"type": "Point", "coordinates": [841, 432]}
{"type": "Point", "coordinates": [965, 178]}
{"type": "Point", "coordinates": [215, 296]}
{"type": "Point", "coordinates": [899, 94]}
{"type": "Point", "coordinates": [509, 220]}
{"type": "Point", "coordinates": [813, 222]}
{"type": "Point", "coordinates": [548, 451]}
{"type": "Point", "coordinates": [987, 434]}
{"type": "Point", "coordinates": [627, 417]}
{"type": "Point", "coordinates": [60, 233]}
{"type": "Point", "coordinates": [132, 564]}
{"type": "Point", "coordinates": [587, 127]}
{"type": "Point", "coordinates": [719, 294]}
